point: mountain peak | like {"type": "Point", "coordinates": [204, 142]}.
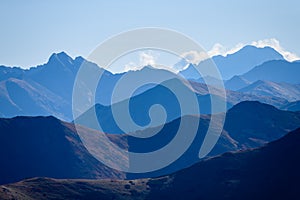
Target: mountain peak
{"type": "Point", "coordinates": [253, 49]}
{"type": "Point", "coordinates": [61, 57]}
{"type": "Point", "coordinates": [79, 59]}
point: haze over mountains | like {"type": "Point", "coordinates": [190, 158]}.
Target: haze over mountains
{"type": "Point", "coordinates": [46, 146]}
{"type": "Point", "coordinates": [262, 98]}
{"type": "Point", "coordinates": [47, 89]}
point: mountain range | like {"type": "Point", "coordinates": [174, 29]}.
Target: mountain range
{"type": "Point", "coordinates": [140, 104]}
{"type": "Point", "coordinates": [237, 63]}
{"type": "Point", "coordinates": [255, 157]}
{"type": "Point", "coordinates": [47, 89]}
{"type": "Point", "coordinates": [278, 71]}
{"type": "Point", "coordinates": [48, 147]}
{"type": "Point", "coordinates": [290, 92]}
{"type": "Point", "coordinates": [269, 172]}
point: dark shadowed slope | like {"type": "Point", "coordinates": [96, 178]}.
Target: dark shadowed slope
{"type": "Point", "coordinates": [253, 124]}
{"type": "Point", "coordinates": [247, 125]}
{"type": "Point", "coordinates": [293, 106]}
{"type": "Point", "coordinates": [270, 172]}
{"type": "Point", "coordinates": [46, 146]}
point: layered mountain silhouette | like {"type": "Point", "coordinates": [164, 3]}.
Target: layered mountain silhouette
{"type": "Point", "coordinates": [47, 89]}
{"type": "Point", "coordinates": [290, 92]}
{"type": "Point", "coordinates": [269, 172]}
{"type": "Point", "coordinates": [237, 63]}
{"type": "Point", "coordinates": [247, 125]}
{"type": "Point", "coordinates": [139, 107]}
{"type": "Point", "coordinates": [234, 97]}
{"type": "Point", "coordinates": [44, 88]}
{"type": "Point", "coordinates": [255, 157]}
{"type": "Point", "coordinates": [46, 146]}
{"type": "Point", "coordinates": [140, 104]}
{"type": "Point", "coordinates": [278, 71]}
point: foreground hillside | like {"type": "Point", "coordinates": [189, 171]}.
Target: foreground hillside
{"type": "Point", "coordinates": [270, 172]}
{"type": "Point", "coordinates": [48, 147]}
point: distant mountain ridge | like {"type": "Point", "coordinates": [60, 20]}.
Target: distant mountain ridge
{"type": "Point", "coordinates": [47, 89]}
{"type": "Point", "coordinates": [237, 63]}
{"type": "Point", "coordinates": [291, 92]}
{"type": "Point", "coordinates": [276, 71]}
{"type": "Point", "coordinates": [141, 103]}
{"type": "Point", "coordinates": [53, 81]}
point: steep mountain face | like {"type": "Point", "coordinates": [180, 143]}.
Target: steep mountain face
{"type": "Point", "coordinates": [290, 92]}
{"type": "Point", "coordinates": [43, 90]}
{"type": "Point", "coordinates": [58, 74]}
{"type": "Point", "coordinates": [19, 97]}
{"type": "Point", "coordinates": [276, 71]}
{"type": "Point", "coordinates": [48, 88]}
{"type": "Point", "coordinates": [238, 63]}
{"type": "Point", "coordinates": [270, 172]}
{"type": "Point", "coordinates": [46, 146]}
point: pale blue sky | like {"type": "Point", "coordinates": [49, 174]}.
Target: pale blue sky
{"type": "Point", "coordinates": [32, 30]}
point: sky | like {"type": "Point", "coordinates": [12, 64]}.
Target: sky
{"type": "Point", "coordinates": [32, 30]}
